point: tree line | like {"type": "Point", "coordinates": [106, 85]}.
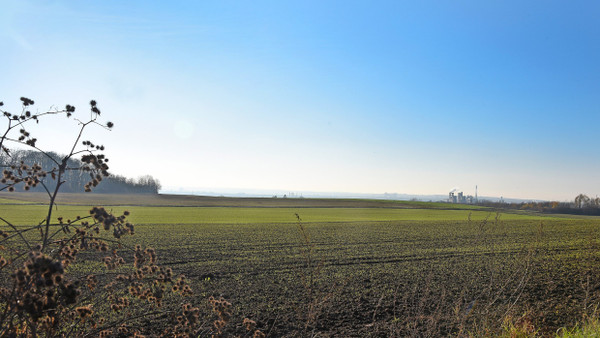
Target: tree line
{"type": "Point", "coordinates": [581, 205]}
{"type": "Point", "coordinates": [75, 180]}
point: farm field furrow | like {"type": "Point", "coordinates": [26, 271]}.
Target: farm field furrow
{"type": "Point", "coordinates": [373, 270]}
{"type": "Point", "coordinates": [372, 259]}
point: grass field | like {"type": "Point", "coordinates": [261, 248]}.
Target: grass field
{"type": "Point", "coordinates": [380, 268]}
{"type": "Point", "coordinates": [32, 214]}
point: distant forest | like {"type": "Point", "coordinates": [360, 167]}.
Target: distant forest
{"type": "Point", "coordinates": [75, 180]}
{"type": "Point", "coordinates": [582, 205]}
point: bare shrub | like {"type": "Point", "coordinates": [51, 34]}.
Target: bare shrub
{"type": "Point", "coordinates": [46, 287]}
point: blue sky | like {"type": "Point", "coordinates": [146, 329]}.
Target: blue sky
{"type": "Point", "coordinates": [345, 96]}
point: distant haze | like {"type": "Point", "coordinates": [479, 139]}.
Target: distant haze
{"type": "Point", "coordinates": [409, 97]}
{"type": "Point", "coordinates": [321, 194]}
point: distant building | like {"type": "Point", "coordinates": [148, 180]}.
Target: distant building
{"type": "Point", "coordinates": [452, 198]}
{"type": "Point", "coordinates": [459, 197]}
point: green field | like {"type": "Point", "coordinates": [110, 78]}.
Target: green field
{"type": "Point", "coordinates": [32, 214]}
{"type": "Point", "coordinates": [382, 268]}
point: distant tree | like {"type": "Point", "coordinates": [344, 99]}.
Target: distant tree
{"type": "Point", "coordinates": [582, 201]}
{"type": "Point", "coordinates": [150, 182]}
{"type": "Point", "coordinates": [74, 180]}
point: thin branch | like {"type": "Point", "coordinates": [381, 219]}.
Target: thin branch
{"type": "Point", "coordinates": [78, 137]}
{"type": "Point", "coordinates": [46, 188]}
{"type": "Point", "coordinates": [34, 147]}
{"type": "Point", "coordinates": [59, 182]}
{"type": "Point", "coordinates": [18, 232]}
{"type": "Point", "coordinates": [72, 223]}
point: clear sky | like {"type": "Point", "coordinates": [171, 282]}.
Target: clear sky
{"type": "Point", "coordinates": [398, 96]}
